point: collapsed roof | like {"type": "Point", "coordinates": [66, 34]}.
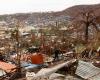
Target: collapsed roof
{"type": "Point", "coordinates": [87, 70]}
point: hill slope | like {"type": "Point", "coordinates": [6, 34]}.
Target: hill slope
{"type": "Point", "coordinates": [50, 17]}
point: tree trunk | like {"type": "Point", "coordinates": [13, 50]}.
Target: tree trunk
{"type": "Point", "coordinates": [86, 33]}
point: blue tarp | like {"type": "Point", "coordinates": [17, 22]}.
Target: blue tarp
{"type": "Point", "coordinates": [27, 65]}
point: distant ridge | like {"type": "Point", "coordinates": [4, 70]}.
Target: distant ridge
{"type": "Point", "coordinates": [72, 11]}
{"type": "Point", "coordinates": [37, 18]}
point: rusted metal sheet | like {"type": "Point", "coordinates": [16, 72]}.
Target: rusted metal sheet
{"type": "Point", "coordinates": [6, 66]}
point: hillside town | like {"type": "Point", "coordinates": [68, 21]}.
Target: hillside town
{"type": "Point", "coordinates": [63, 45]}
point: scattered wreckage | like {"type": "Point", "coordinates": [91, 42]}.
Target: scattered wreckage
{"type": "Point", "coordinates": [39, 66]}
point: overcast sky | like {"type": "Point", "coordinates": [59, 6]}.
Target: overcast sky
{"type": "Point", "coordinates": [21, 6]}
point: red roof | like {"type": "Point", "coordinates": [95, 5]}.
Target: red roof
{"type": "Point", "coordinates": [6, 66]}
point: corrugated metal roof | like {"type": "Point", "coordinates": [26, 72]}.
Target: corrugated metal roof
{"type": "Point", "coordinates": [96, 77]}
{"type": "Point", "coordinates": [87, 71]}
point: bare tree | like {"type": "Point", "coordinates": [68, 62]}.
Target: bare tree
{"type": "Point", "coordinates": [88, 19]}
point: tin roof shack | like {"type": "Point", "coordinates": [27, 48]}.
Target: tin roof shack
{"type": "Point", "coordinates": [87, 70]}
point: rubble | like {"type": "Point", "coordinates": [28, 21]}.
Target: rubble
{"type": "Point", "coordinates": [48, 60]}
{"type": "Point", "coordinates": [86, 70]}
{"type": "Point", "coordinates": [46, 72]}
